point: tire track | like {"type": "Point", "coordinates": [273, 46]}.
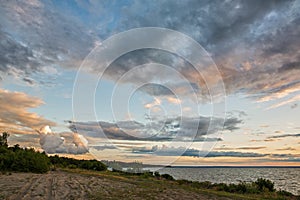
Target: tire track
{"type": "Point", "coordinates": [25, 189]}
{"type": "Point", "coordinates": [50, 186]}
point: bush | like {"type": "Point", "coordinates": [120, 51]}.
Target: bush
{"type": "Point", "coordinates": [23, 160]}
{"type": "Point", "coordinates": [184, 182]}
{"type": "Point", "coordinates": [221, 187]}
{"type": "Point", "coordinates": [74, 163]}
{"type": "Point", "coordinates": [156, 174]}
{"type": "Point", "coordinates": [263, 184]}
{"type": "Point", "coordinates": [241, 188]}
{"type": "Point", "coordinates": [284, 193]}
{"type": "Point", "coordinates": [147, 174]}
{"type": "Point", "coordinates": [205, 184]}
{"type": "Point", "coordinates": [168, 177]}
{"type": "Point", "coordinates": [259, 186]}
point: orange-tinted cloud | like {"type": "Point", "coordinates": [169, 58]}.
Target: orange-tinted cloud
{"type": "Point", "coordinates": [14, 114]}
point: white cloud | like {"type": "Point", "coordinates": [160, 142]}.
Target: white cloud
{"type": "Point", "coordinates": [56, 143]}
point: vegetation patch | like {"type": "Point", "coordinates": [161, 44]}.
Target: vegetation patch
{"type": "Point", "coordinates": [19, 159]}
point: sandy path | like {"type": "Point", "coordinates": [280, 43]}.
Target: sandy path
{"type": "Point", "coordinates": [50, 186]}
{"type": "Point", "coordinates": [63, 185]}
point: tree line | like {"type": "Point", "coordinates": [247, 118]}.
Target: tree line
{"type": "Point", "coordinates": [19, 159]}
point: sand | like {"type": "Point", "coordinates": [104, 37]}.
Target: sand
{"type": "Point", "coordinates": [65, 185]}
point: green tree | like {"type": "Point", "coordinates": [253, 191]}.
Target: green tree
{"type": "Point", "coordinates": [3, 139]}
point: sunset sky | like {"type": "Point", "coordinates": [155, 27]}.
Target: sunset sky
{"type": "Point", "coordinates": [153, 105]}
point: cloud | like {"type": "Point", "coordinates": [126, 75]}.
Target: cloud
{"type": "Point", "coordinates": [295, 105]}
{"type": "Point", "coordinates": [255, 45]}
{"type": "Point", "coordinates": [71, 143]}
{"type": "Point", "coordinates": [181, 151]}
{"type": "Point", "coordinates": [269, 140]}
{"type": "Point", "coordinates": [288, 101]}
{"type": "Point", "coordinates": [14, 114]}
{"type": "Point", "coordinates": [156, 102]}
{"type": "Point", "coordinates": [284, 135]}
{"type": "Point", "coordinates": [234, 154]}
{"type": "Point", "coordinates": [37, 35]}
{"type": "Point", "coordinates": [290, 66]}
{"type": "Point", "coordinates": [238, 113]}
{"type": "Point", "coordinates": [250, 148]}
{"type": "Point", "coordinates": [24, 140]}
{"type": "Point", "coordinates": [155, 105]}
{"type": "Point", "coordinates": [191, 152]}
{"type": "Point", "coordinates": [240, 148]}
{"type": "Point", "coordinates": [104, 147]}
{"type": "Point", "coordinates": [178, 128]}
{"type": "Point", "coordinates": [156, 90]}
{"type": "Point", "coordinates": [251, 34]}
{"type": "Point", "coordinates": [242, 43]}
{"type": "Point", "coordinates": [289, 160]}
{"type": "Point", "coordinates": [14, 55]}
{"type": "Point", "coordinates": [174, 100]}
{"type": "Point", "coordinates": [287, 149]}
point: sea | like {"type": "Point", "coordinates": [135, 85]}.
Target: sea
{"type": "Point", "coordinates": [284, 178]}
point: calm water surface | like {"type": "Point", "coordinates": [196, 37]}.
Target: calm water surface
{"type": "Point", "coordinates": [284, 178]}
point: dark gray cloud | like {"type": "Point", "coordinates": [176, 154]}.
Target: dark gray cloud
{"type": "Point", "coordinates": [208, 21]}
{"type": "Point", "coordinates": [289, 160]}
{"type": "Point", "coordinates": [284, 135]}
{"type": "Point", "coordinates": [255, 45]}
{"type": "Point", "coordinates": [230, 123]}
{"type": "Point", "coordinates": [250, 148]}
{"type": "Point", "coordinates": [287, 149]}
{"type": "Point", "coordinates": [36, 36]}
{"type": "Point", "coordinates": [181, 129]}
{"type": "Point", "coordinates": [104, 147]}
{"type": "Point", "coordinates": [156, 90]}
{"type": "Point", "coordinates": [290, 66]}
{"type": "Point", "coordinates": [29, 81]}
{"type": "Point", "coordinates": [181, 151]}
{"type": "Point", "coordinates": [240, 148]}
{"type": "Point", "coordinates": [234, 154]}
{"type": "Point", "coordinates": [285, 155]}
{"type": "Point", "coordinates": [15, 55]}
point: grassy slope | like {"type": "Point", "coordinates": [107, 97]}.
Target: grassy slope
{"type": "Point", "coordinates": [151, 187]}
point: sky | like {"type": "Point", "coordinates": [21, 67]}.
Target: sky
{"type": "Point", "coordinates": [160, 82]}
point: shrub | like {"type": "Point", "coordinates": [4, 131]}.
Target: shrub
{"type": "Point", "coordinates": [284, 193]}
{"type": "Point", "coordinates": [241, 188]}
{"type": "Point", "coordinates": [221, 186]}
{"type": "Point", "coordinates": [146, 174]}
{"type": "Point", "coordinates": [156, 174]}
{"type": "Point", "coordinates": [263, 184]}
{"type": "Point", "coordinates": [183, 182]}
{"type": "Point", "coordinates": [167, 176]}
{"type": "Point", "coordinates": [74, 163]}
{"type": "Point", "coordinates": [205, 184]}
{"type": "Point", "coordinates": [23, 160]}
